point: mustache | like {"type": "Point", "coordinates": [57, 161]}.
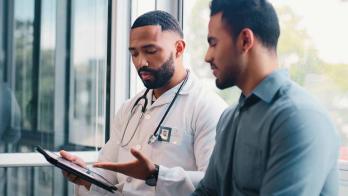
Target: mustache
{"type": "Point", "coordinates": [147, 69]}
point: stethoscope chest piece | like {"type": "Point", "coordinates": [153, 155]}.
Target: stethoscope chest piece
{"type": "Point", "coordinates": [152, 139]}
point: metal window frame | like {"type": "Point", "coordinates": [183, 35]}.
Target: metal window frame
{"type": "Point", "coordinates": [120, 58]}
{"type": "Point", "coordinates": [2, 52]}
{"type": "Point", "coordinates": [118, 83]}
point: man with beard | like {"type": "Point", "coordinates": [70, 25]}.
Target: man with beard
{"type": "Point", "coordinates": [278, 140]}
{"type": "Point", "coordinates": [161, 139]}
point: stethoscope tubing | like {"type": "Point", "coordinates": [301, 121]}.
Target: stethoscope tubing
{"type": "Point", "coordinates": [154, 136]}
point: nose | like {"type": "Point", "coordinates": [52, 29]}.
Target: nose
{"type": "Point", "coordinates": [140, 61]}
{"type": "Point", "coordinates": [208, 56]}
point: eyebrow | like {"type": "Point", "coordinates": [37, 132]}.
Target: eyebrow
{"type": "Point", "coordinates": [143, 47]}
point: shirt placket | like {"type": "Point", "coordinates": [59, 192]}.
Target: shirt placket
{"type": "Point", "coordinates": [243, 105]}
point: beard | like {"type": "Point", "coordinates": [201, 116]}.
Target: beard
{"type": "Point", "coordinates": [160, 76]}
{"type": "Point", "coordinates": [228, 77]}
{"type": "Point", "coordinates": [224, 82]}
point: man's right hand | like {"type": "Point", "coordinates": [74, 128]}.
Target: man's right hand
{"type": "Point", "coordinates": [78, 161]}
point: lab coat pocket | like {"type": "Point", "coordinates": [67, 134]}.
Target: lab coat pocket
{"type": "Point", "coordinates": [174, 147]}
{"type": "Point", "coordinates": [170, 135]}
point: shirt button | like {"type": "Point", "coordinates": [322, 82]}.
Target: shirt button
{"type": "Point", "coordinates": [147, 116]}
{"type": "Point", "coordinates": [129, 179]}
{"type": "Point", "coordinates": [138, 147]}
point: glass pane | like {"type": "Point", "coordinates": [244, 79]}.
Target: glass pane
{"type": "Point", "coordinates": [47, 67]}
{"type": "Point", "coordinates": [39, 64]}
{"type": "Point", "coordinates": [88, 72]}
{"type": "Point", "coordinates": [196, 16]}
{"type": "Point", "coordinates": [313, 47]}
{"type": "Point", "coordinates": [2, 52]}
{"type": "Point", "coordinates": [55, 85]}
{"type": "Point", "coordinates": [34, 181]}
{"type": "Point", "coordinates": [23, 59]}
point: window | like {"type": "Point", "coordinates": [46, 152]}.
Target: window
{"type": "Point", "coordinates": [53, 87]}
{"type": "Point", "coordinates": [313, 46]}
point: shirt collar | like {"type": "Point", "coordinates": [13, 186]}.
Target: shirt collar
{"type": "Point", "coordinates": [269, 86]}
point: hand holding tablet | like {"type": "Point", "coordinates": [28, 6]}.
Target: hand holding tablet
{"type": "Point", "coordinates": [76, 173]}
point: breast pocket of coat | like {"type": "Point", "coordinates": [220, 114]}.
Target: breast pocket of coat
{"type": "Point", "coordinates": [248, 167]}
{"type": "Point", "coordinates": [170, 135]}
{"type": "Point", "coordinates": [174, 147]}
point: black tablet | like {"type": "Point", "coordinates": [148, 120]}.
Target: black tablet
{"type": "Point", "coordinates": [70, 167]}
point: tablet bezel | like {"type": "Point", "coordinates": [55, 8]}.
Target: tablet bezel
{"type": "Point", "coordinates": [79, 173]}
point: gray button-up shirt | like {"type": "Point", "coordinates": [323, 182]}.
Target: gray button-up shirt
{"type": "Point", "coordinates": [277, 141]}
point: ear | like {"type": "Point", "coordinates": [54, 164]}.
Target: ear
{"type": "Point", "coordinates": [180, 47]}
{"type": "Point", "coordinates": [247, 39]}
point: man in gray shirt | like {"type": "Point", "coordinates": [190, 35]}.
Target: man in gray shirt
{"type": "Point", "coordinates": [278, 140]}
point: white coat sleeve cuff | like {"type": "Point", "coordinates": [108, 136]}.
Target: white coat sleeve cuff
{"type": "Point", "coordinates": [177, 180]}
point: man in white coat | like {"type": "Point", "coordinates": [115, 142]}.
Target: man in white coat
{"type": "Point", "coordinates": [161, 139]}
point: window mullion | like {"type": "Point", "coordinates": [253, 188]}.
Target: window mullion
{"type": "Point", "coordinates": [36, 64]}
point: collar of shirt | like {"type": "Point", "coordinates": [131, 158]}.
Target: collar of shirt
{"type": "Point", "coordinates": [168, 96]}
{"type": "Point", "coordinates": [266, 89]}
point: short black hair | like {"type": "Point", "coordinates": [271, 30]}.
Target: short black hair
{"type": "Point", "coordinates": [166, 21]}
{"type": "Point", "coordinates": [257, 15]}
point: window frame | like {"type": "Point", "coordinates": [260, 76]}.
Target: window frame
{"type": "Point", "coordinates": [61, 95]}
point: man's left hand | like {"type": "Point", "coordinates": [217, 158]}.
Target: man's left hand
{"type": "Point", "coordinates": [141, 168]}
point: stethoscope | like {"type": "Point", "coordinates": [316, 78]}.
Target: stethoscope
{"type": "Point", "coordinates": [154, 137]}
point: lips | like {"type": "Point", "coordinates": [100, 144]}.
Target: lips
{"type": "Point", "coordinates": [146, 75]}
{"type": "Point", "coordinates": [214, 69]}
{"type": "Point", "coordinates": [215, 72]}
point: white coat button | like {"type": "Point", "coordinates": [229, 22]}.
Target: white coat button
{"type": "Point", "coordinates": [147, 116]}
{"type": "Point", "coordinates": [138, 147]}
{"type": "Point", "coordinates": [129, 179]}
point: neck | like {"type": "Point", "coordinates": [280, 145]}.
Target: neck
{"type": "Point", "coordinates": [179, 76]}
{"type": "Point", "coordinates": [257, 70]}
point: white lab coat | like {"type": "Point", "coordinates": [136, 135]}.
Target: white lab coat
{"type": "Point", "coordinates": [183, 160]}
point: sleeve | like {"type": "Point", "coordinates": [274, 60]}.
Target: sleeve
{"type": "Point", "coordinates": [203, 124]}
{"type": "Point", "coordinates": [208, 181]}
{"type": "Point", "coordinates": [303, 154]}
{"type": "Point", "coordinates": [109, 152]}
{"type": "Point", "coordinates": [207, 186]}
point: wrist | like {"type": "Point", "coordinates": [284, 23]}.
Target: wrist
{"type": "Point", "coordinates": [152, 169]}
{"type": "Point", "coordinates": [152, 179]}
